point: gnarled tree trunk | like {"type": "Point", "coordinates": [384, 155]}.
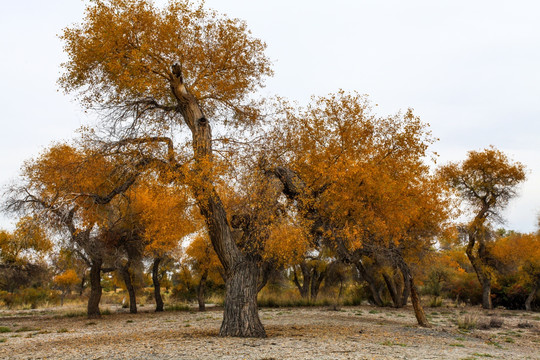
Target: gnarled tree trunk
{"type": "Point", "coordinates": [241, 317]}
{"type": "Point", "coordinates": [95, 289]}
{"type": "Point", "coordinates": [157, 285]}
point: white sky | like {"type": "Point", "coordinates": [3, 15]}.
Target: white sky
{"type": "Point", "coordinates": [470, 68]}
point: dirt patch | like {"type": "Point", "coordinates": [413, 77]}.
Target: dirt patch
{"type": "Point", "coordinates": [293, 333]}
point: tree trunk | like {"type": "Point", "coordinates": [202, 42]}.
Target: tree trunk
{"type": "Point", "coordinates": [530, 298]}
{"type": "Point", "coordinates": [316, 282]}
{"type": "Point", "coordinates": [126, 276]}
{"type": "Point", "coordinates": [304, 287]}
{"type": "Point", "coordinates": [371, 283]}
{"type": "Point", "coordinates": [83, 280]}
{"type": "Point", "coordinates": [390, 285]}
{"type": "Point", "coordinates": [486, 294]}
{"type": "Point", "coordinates": [95, 289]}
{"type": "Point", "coordinates": [241, 316]}
{"type": "Point", "coordinates": [415, 298]}
{"type": "Point", "coordinates": [476, 233]}
{"type": "Point", "coordinates": [201, 291]}
{"type": "Point", "coordinates": [157, 285]}
{"type": "Point", "coordinates": [406, 290]}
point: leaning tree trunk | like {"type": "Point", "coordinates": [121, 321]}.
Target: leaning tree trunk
{"type": "Point", "coordinates": [95, 289]}
{"type": "Point", "coordinates": [241, 317]}
{"type": "Point", "coordinates": [157, 285]}
{"type": "Point", "coordinates": [201, 291]}
{"type": "Point", "coordinates": [415, 298]}
{"type": "Point", "coordinates": [530, 298]}
{"type": "Point", "coordinates": [126, 276]}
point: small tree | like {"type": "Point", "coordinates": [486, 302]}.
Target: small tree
{"type": "Point", "coordinates": [486, 180]}
{"type": "Point", "coordinates": [66, 281]}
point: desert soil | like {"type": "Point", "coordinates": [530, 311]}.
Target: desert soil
{"type": "Point", "coordinates": [361, 332]}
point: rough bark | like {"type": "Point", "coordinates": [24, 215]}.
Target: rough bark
{"type": "Point", "coordinates": [201, 291]}
{"type": "Point", "coordinates": [95, 289]}
{"type": "Point", "coordinates": [157, 285]}
{"type": "Point", "coordinates": [241, 316]}
{"type": "Point", "coordinates": [126, 276]}
{"type": "Point", "coordinates": [530, 298]}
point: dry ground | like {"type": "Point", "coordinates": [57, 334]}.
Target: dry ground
{"type": "Point", "coordinates": [293, 333]}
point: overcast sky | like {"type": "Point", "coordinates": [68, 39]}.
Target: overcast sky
{"type": "Point", "coordinates": [469, 68]}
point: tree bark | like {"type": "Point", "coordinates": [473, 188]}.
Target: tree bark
{"type": "Point", "coordinates": [415, 298]}
{"type": "Point", "coordinates": [157, 285]}
{"type": "Point", "coordinates": [241, 317]}
{"type": "Point", "coordinates": [316, 281]}
{"type": "Point", "coordinates": [406, 290]}
{"type": "Point", "coordinates": [371, 283]}
{"type": "Point", "coordinates": [390, 285]}
{"type": "Point", "coordinates": [302, 288]}
{"type": "Point", "coordinates": [126, 276]}
{"type": "Point", "coordinates": [530, 298]}
{"type": "Point", "coordinates": [201, 291]}
{"type": "Point", "coordinates": [95, 289]}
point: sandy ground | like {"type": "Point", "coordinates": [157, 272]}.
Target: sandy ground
{"type": "Point", "coordinates": [360, 332]}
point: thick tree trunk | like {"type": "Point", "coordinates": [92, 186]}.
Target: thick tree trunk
{"type": "Point", "coordinates": [95, 289]}
{"type": "Point", "coordinates": [157, 285]}
{"type": "Point", "coordinates": [530, 298]}
{"type": "Point", "coordinates": [266, 269]}
{"type": "Point", "coordinates": [126, 276]}
{"type": "Point", "coordinates": [371, 283]}
{"type": "Point", "coordinates": [241, 317]}
{"type": "Point", "coordinates": [201, 291]}
{"type": "Point", "coordinates": [486, 294]}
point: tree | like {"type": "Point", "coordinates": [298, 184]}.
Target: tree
{"type": "Point", "coordinates": [66, 189]}
{"type": "Point", "coordinates": [361, 181]}
{"type": "Point", "coordinates": [65, 281]}
{"type": "Point", "coordinates": [486, 180]}
{"type": "Point", "coordinates": [186, 64]}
